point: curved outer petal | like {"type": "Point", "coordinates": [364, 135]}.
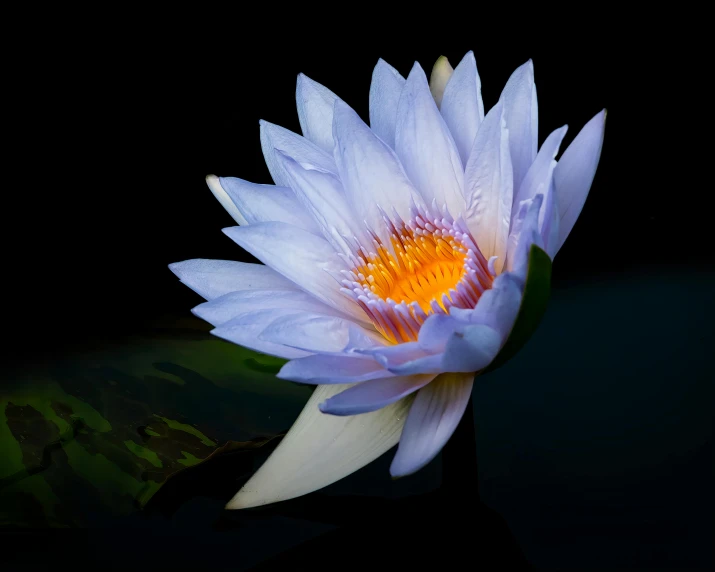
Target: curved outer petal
{"type": "Point", "coordinates": [213, 278]}
{"type": "Point", "coordinates": [304, 258]}
{"type": "Point", "coordinates": [520, 107]}
{"type": "Point", "coordinates": [245, 329]}
{"type": "Point", "coordinates": [385, 90]}
{"type": "Point", "coordinates": [264, 203]}
{"type": "Point", "coordinates": [372, 176]}
{"type": "Point", "coordinates": [373, 395]}
{"type": "Point", "coordinates": [488, 186]}
{"type": "Point", "coordinates": [309, 331]}
{"type": "Point", "coordinates": [425, 146]}
{"type": "Point", "coordinates": [332, 369]}
{"type": "Point", "coordinates": [233, 304]}
{"type": "Point", "coordinates": [296, 147]}
{"type": "Point", "coordinates": [432, 419]}
{"type": "Point", "coordinates": [223, 198]}
{"type": "Point", "coordinates": [574, 173]}
{"type": "Point", "coordinates": [323, 196]}
{"type": "Point", "coordinates": [315, 111]}
{"type": "Point", "coordinates": [320, 449]}
{"type": "Point", "coordinates": [441, 72]}
{"type": "Point", "coordinates": [538, 177]}
{"type": "Point", "coordinates": [462, 106]}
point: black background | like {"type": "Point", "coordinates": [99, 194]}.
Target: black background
{"type": "Point", "coordinates": [131, 124]}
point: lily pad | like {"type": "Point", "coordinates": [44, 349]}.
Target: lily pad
{"type": "Point", "coordinates": [537, 290]}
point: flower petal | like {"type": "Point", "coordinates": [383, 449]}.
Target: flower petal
{"type": "Point", "coordinates": [441, 72]}
{"type": "Point", "coordinates": [472, 349]}
{"type": "Point", "coordinates": [223, 198]}
{"type": "Point", "coordinates": [213, 278]}
{"type": "Point", "coordinates": [302, 257]}
{"type": "Point", "coordinates": [233, 304]}
{"type": "Point", "coordinates": [309, 331]}
{"type": "Point", "coordinates": [315, 111]}
{"type": "Point", "coordinates": [425, 146]}
{"type": "Point", "coordinates": [370, 171]}
{"type": "Point", "coordinates": [298, 148]}
{"type": "Point", "coordinates": [488, 186]}
{"type": "Point", "coordinates": [432, 419]}
{"type": "Point", "coordinates": [385, 90]}
{"type": "Point", "coordinates": [549, 221]}
{"type": "Point", "coordinates": [320, 449]}
{"type": "Point", "coordinates": [373, 395]}
{"type": "Point", "coordinates": [323, 196]}
{"type": "Point", "coordinates": [574, 173]}
{"type": "Point", "coordinates": [264, 203]}
{"type": "Point", "coordinates": [526, 233]}
{"type": "Point", "coordinates": [332, 369]}
{"type": "Point", "coordinates": [462, 106]}
{"type": "Point", "coordinates": [245, 329]}
{"type": "Point", "coordinates": [520, 107]}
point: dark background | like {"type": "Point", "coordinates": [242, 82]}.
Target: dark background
{"type": "Point", "coordinates": [131, 125]}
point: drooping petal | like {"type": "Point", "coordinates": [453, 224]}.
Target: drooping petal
{"type": "Point", "coordinates": [304, 258]}
{"type": "Point", "coordinates": [574, 173]}
{"type": "Point", "coordinates": [488, 186]}
{"type": "Point", "coordinates": [432, 419]}
{"type": "Point", "coordinates": [385, 90]}
{"type": "Point", "coordinates": [441, 72]}
{"type": "Point", "coordinates": [213, 278]}
{"type": "Point", "coordinates": [425, 146]}
{"type": "Point", "coordinates": [373, 395]}
{"type": "Point", "coordinates": [320, 449]}
{"type": "Point", "coordinates": [245, 329]}
{"type": "Point", "coordinates": [223, 198]}
{"type": "Point", "coordinates": [462, 106]}
{"type": "Point", "coordinates": [315, 111]}
{"type": "Point", "coordinates": [332, 369]}
{"type": "Point", "coordinates": [296, 147]}
{"type": "Point", "coordinates": [233, 304]}
{"type": "Point", "coordinates": [520, 110]}
{"type": "Point", "coordinates": [322, 195]}
{"type": "Point", "coordinates": [538, 177]}
{"type": "Point", "coordinates": [372, 176]}
{"type": "Point", "coordinates": [264, 203]}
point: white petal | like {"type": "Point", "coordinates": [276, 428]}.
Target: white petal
{"type": "Point", "coordinates": [370, 171]}
{"type": "Point", "coordinates": [264, 203]}
{"type": "Point", "coordinates": [304, 258]}
{"type": "Point", "coordinates": [462, 106]}
{"type": "Point", "coordinates": [315, 111]}
{"type": "Point", "coordinates": [320, 449]}
{"type": "Point", "coordinates": [298, 148]}
{"type": "Point", "coordinates": [489, 191]}
{"type": "Point", "coordinates": [233, 304]}
{"type": "Point", "coordinates": [213, 278]}
{"type": "Point", "coordinates": [385, 90]}
{"type": "Point", "coordinates": [574, 173]}
{"type": "Point", "coordinates": [441, 72]}
{"type": "Point", "coordinates": [223, 198]}
{"type": "Point", "coordinates": [425, 146]}
{"type": "Point", "coordinates": [520, 106]}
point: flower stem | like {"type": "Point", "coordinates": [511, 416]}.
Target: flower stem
{"type": "Point", "coordinates": [459, 460]}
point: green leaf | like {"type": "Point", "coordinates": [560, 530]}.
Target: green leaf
{"type": "Point", "coordinates": [533, 306]}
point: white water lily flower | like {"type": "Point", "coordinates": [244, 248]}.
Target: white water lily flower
{"type": "Point", "coordinates": [395, 260]}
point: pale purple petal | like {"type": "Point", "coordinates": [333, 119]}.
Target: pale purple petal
{"type": "Point", "coordinates": [296, 147]}
{"type": "Point", "coordinates": [332, 369]}
{"type": "Point", "coordinates": [488, 186]}
{"type": "Point", "coordinates": [213, 278]}
{"type": "Point", "coordinates": [385, 90]}
{"type": "Point", "coordinates": [472, 349]}
{"type": "Point", "coordinates": [574, 173]}
{"type": "Point", "coordinates": [549, 221]}
{"type": "Point", "coordinates": [309, 331]}
{"type": "Point", "coordinates": [462, 106]}
{"type": "Point", "coordinates": [432, 419]}
{"type": "Point", "coordinates": [263, 203]}
{"type": "Point", "coordinates": [520, 106]}
{"type": "Point", "coordinates": [373, 395]}
{"type": "Point", "coordinates": [426, 147]}
{"type": "Point", "coordinates": [315, 112]}
{"type": "Point", "coordinates": [529, 234]}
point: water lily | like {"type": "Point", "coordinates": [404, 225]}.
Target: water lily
{"type": "Point", "coordinates": [396, 260]}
